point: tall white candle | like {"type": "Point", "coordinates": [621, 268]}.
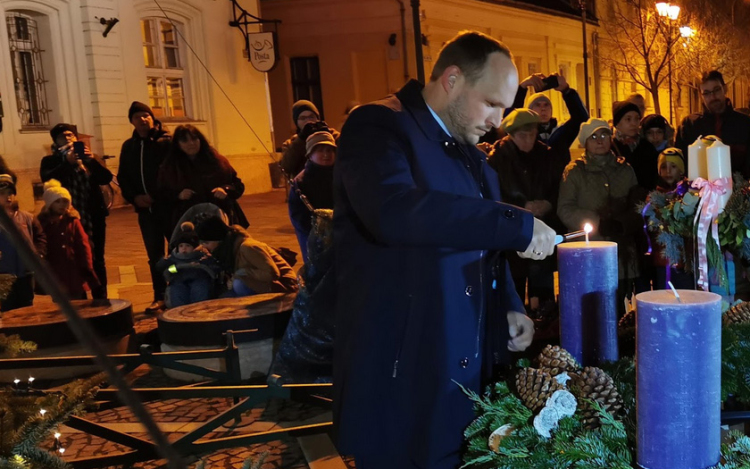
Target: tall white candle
{"type": "Point", "coordinates": [697, 160]}
{"type": "Point", "coordinates": [719, 163]}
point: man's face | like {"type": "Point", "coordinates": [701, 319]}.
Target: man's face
{"type": "Point", "coordinates": [628, 125]}
{"type": "Point", "coordinates": [142, 121]}
{"type": "Point", "coordinates": [473, 109]}
{"type": "Point", "coordinates": [714, 96]}
{"type": "Point", "coordinates": [210, 245]}
{"type": "Point", "coordinates": [544, 109]}
{"type": "Point", "coordinates": [306, 117]}
{"type": "Point", "coordinates": [600, 142]}
{"type": "Point", "coordinates": [65, 138]}
{"type": "Point", "coordinates": [655, 136]}
{"type": "Point", "coordinates": [7, 197]}
{"type": "Point", "coordinates": [525, 139]}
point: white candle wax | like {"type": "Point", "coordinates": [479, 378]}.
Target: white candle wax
{"type": "Point", "coordinates": [697, 160]}
{"type": "Point", "coordinates": [719, 162]}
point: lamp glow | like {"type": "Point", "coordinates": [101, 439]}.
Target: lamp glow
{"type": "Point", "coordinates": [61, 450]}
{"type": "Point", "coordinates": [42, 411]}
{"type": "Point", "coordinates": [673, 12]}
{"type": "Point", "coordinates": [16, 381]}
{"type": "Point", "coordinates": [686, 32]}
{"type": "Point", "coordinates": [662, 8]}
{"type": "Point", "coordinates": [57, 435]}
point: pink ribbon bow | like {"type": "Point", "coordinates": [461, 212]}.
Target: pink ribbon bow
{"type": "Point", "coordinates": [705, 217]}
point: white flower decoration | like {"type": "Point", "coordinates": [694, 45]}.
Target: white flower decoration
{"type": "Point", "coordinates": [498, 436]}
{"type": "Point", "coordinates": [564, 402]}
{"type": "Point", "coordinates": [563, 378]}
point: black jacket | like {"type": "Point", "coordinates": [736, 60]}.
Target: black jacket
{"type": "Point", "coordinates": [56, 166]}
{"type": "Point", "coordinates": [644, 159]}
{"type": "Point", "coordinates": [732, 127]}
{"type": "Point", "coordinates": [559, 137]}
{"type": "Point", "coordinates": [139, 164]}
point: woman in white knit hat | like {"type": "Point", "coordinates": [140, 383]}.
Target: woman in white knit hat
{"type": "Point", "coordinates": [68, 248]}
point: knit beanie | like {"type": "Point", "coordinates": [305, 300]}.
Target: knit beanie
{"type": "Point", "coordinates": [62, 127]}
{"type": "Point", "coordinates": [6, 182]}
{"type": "Point", "coordinates": [535, 98]}
{"type": "Point", "coordinates": [620, 108]}
{"type": "Point", "coordinates": [212, 229]}
{"type": "Point", "coordinates": [139, 107]}
{"type": "Point", "coordinates": [187, 235]}
{"type": "Point", "coordinates": [589, 127]}
{"type": "Point", "coordinates": [672, 155]}
{"type": "Point", "coordinates": [301, 106]}
{"type": "Point", "coordinates": [654, 121]}
{"type": "Point", "coordinates": [53, 191]}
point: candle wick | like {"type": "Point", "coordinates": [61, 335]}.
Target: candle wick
{"type": "Point", "coordinates": [674, 290]}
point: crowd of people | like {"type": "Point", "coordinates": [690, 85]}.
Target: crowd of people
{"type": "Point", "coordinates": [167, 178]}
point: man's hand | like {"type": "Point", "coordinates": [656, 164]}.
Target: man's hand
{"type": "Point", "coordinates": [186, 194]}
{"type": "Point", "coordinates": [143, 201]}
{"type": "Point", "coordinates": [521, 329]}
{"type": "Point", "coordinates": [534, 80]}
{"type": "Point", "coordinates": [542, 242]}
{"type": "Point", "coordinates": [219, 193]}
{"type": "Point", "coordinates": [70, 154]}
{"type": "Point", "coordinates": [562, 83]}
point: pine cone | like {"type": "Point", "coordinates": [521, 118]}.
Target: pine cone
{"type": "Point", "coordinates": [554, 360]}
{"type": "Point", "coordinates": [593, 383]}
{"type": "Point", "coordinates": [535, 387]}
{"type": "Point", "coordinates": [738, 314]}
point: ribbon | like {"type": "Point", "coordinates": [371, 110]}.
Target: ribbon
{"type": "Point", "coordinates": [705, 218]}
{"type": "Point", "coordinates": [645, 227]}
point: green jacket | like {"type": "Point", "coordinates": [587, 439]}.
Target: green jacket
{"type": "Point", "coordinates": [594, 188]}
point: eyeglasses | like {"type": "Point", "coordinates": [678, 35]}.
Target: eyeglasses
{"type": "Point", "coordinates": [601, 137]}
{"type": "Point", "coordinates": [714, 92]}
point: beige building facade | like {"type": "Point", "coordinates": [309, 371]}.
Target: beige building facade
{"type": "Point", "coordinates": [344, 51]}
{"type": "Point", "coordinates": [58, 67]}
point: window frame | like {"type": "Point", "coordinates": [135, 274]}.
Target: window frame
{"type": "Point", "coordinates": [36, 95]}
{"type": "Point", "coordinates": [162, 73]}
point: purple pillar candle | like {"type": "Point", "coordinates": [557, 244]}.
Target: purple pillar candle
{"type": "Point", "coordinates": [678, 379]}
{"type": "Point", "coordinates": [588, 300]}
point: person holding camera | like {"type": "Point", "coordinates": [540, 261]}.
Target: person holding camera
{"type": "Point", "coordinates": [307, 120]}
{"type": "Point", "coordinates": [557, 136]}
{"type": "Point", "coordinates": [81, 173]}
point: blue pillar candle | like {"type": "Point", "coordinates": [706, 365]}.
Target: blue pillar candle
{"type": "Point", "coordinates": [678, 372]}
{"type": "Point", "coordinates": [588, 300]}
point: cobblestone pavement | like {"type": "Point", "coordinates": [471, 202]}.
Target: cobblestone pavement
{"type": "Point", "coordinates": [129, 279]}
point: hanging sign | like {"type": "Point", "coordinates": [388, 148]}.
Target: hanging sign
{"type": "Point", "coordinates": [262, 50]}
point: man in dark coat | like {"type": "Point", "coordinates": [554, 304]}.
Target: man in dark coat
{"type": "Point", "coordinates": [558, 137]}
{"type": "Point", "coordinates": [718, 118]}
{"type": "Point", "coordinates": [425, 299]}
{"type": "Point", "coordinates": [140, 158]}
{"type": "Point", "coordinates": [82, 174]}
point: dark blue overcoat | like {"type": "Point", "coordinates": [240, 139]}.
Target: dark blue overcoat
{"type": "Point", "coordinates": [417, 229]}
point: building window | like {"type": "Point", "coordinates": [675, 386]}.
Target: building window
{"type": "Point", "coordinates": [306, 81]}
{"type": "Point", "coordinates": [165, 72]}
{"type": "Point", "coordinates": [28, 77]}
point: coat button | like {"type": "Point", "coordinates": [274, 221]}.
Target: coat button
{"type": "Point", "coordinates": [464, 363]}
{"type": "Point", "coordinates": [509, 214]}
{"type": "Point", "coordinates": [469, 290]}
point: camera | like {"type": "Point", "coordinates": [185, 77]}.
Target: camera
{"type": "Point", "coordinates": [550, 82]}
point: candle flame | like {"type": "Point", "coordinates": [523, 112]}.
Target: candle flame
{"type": "Point", "coordinates": [61, 450]}
{"type": "Point", "coordinates": [42, 411]}
{"type": "Point", "coordinates": [588, 228]}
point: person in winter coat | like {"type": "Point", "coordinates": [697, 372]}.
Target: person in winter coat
{"type": "Point", "coordinates": [254, 267]}
{"type": "Point", "coordinates": [558, 137]}
{"type": "Point", "coordinates": [191, 274]}
{"type": "Point", "coordinates": [194, 173]}
{"type": "Point", "coordinates": [68, 248]}
{"type": "Point", "coordinates": [140, 158]}
{"type": "Point", "coordinates": [598, 189]}
{"type": "Point", "coordinates": [627, 143]}
{"type": "Point", "coordinates": [82, 174]}
{"type": "Point", "coordinates": [718, 118]}
{"type": "Point", "coordinates": [307, 121]}
{"type": "Point", "coordinates": [527, 179]}
{"type": "Point", "coordinates": [420, 239]}
{"type": "Point", "coordinates": [671, 173]}
{"type": "Point", "coordinates": [657, 131]}
{"type": "Point", "coordinates": [315, 183]}
{"type": "Point", "coordinates": [22, 291]}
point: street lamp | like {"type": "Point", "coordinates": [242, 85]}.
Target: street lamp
{"type": "Point", "coordinates": [671, 13]}
{"type": "Point", "coordinates": [687, 32]}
